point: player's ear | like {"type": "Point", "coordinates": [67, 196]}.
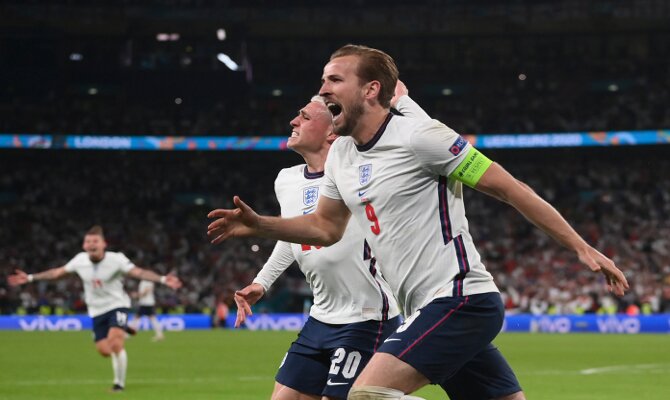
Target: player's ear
{"type": "Point", "coordinates": [372, 90]}
{"type": "Point", "coordinates": [331, 137]}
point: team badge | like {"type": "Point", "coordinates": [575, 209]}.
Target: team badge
{"type": "Point", "coordinates": [458, 145]}
{"type": "Point", "coordinates": [310, 195]}
{"type": "Point", "coordinates": [364, 173]}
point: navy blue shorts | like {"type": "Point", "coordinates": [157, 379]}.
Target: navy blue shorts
{"type": "Point", "coordinates": [146, 310]}
{"type": "Point", "coordinates": [326, 359]}
{"type": "Point", "coordinates": [117, 317]}
{"type": "Point", "coordinates": [449, 342]}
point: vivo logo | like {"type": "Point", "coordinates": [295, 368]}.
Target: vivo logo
{"type": "Point", "coordinates": [265, 322]}
{"type": "Point", "coordinates": [559, 325]}
{"type": "Point", "coordinates": [167, 323]}
{"type": "Point", "coordinates": [615, 325]}
{"type": "Point", "coordinates": [44, 324]}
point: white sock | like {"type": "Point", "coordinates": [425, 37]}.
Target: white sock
{"type": "Point", "coordinates": [120, 365]}
{"type": "Point", "coordinates": [157, 326]}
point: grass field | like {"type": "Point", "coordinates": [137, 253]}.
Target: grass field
{"type": "Point", "coordinates": [240, 365]}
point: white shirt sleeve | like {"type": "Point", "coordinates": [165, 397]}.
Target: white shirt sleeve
{"type": "Point", "coordinates": [280, 259]}
{"type": "Point", "coordinates": [437, 147]}
{"type": "Point", "coordinates": [72, 265]}
{"type": "Point", "coordinates": [125, 264]}
{"type": "Point", "coordinates": [328, 186]}
{"type": "Point", "coordinates": [409, 108]}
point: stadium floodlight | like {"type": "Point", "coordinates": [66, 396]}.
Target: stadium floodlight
{"type": "Point", "coordinates": [93, 91]}
{"type": "Point", "coordinates": [447, 92]}
{"type": "Point", "coordinates": [522, 77]}
{"type": "Point", "coordinates": [225, 59]}
{"type": "Point", "coordinates": [221, 34]}
{"type": "Point", "coordinates": [76, 57]}
{"type": "Point", "coordinates": [277, 92]}
{"type": "Point", "coordinates": [613, 87]}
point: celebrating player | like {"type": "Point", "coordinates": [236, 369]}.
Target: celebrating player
{"type": "Point", "coordinates": [108, 304]}
{"type": "Point", "coordinates": [402, 179]}
{"type": "Point", "coordinates": [353, 310]}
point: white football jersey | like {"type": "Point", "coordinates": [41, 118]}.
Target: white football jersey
{"type": "Point", "coordinates": [148, 299]}
{"type": "Point", "coordinates": [343, 277]}
{"type": "Point", "coordinates": [398, 191]}
{"type": "Point", "coordinates": [103, 281]}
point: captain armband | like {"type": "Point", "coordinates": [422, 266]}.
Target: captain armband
{"type": "Point", "coordinates": [471, 169]}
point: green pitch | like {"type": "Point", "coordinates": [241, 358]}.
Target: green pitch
{"type": "Point", "coordinates": [240, 365]}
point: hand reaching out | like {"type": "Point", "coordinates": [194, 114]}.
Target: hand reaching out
{"type": "Point", "coordinates": [239, 222]}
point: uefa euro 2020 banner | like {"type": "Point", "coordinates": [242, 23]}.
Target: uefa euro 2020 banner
{"type": "Point", "coordinates": [513, 323]}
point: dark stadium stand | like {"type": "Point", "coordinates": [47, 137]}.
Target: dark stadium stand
{"type": "Point", "coordinates": [150, 68]}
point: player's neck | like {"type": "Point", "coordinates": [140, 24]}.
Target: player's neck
{"type": "Point", "coordinates": [316, 161]}
{"type": "Point", "coordinates": [368, 125]}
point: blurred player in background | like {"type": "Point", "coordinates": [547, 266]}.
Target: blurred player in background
{"type": "Point", "coordinates": [402, 180]}
{"type": "Point", "coordinates": [353, 310]}
{"type": "Point", "coordinates": [146, 307]}
{"type": "Point", "coordinates": [108, 304]}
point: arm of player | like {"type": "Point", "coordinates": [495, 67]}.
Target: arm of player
{"type": "Point", "coordinates": [323, 227]}
{"type": "Point", "coordinates": [20, 277]}
{"type": "Point", "coordinates": [499, 183]}
{"type": "Point", "coordinates": [168, 280]}
{"type": "Point", "coordinates": [405, 105]}
{"type": "Point", "coordinates": [280, 259]}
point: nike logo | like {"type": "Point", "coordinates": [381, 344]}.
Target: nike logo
{"type": "Point", "coordinates": [330, 383]}
{"type": "Point", "coordinates": [361, 194]}
{"type": "Point", "coordinates": [392, 340]}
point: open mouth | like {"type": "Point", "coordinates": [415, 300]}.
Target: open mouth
{"type": "Point", "coordinates": [335, 109]}
{"type": "Point", "coordinates": [295, 134]}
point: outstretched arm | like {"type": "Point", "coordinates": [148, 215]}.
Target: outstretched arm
{"type": "Point", "coordinates": [280, 259]}
{"type": "Point", "coordinates": [20, 277]}
{"type": "Point", "coordinates": [499, 183]}
{"type": "Point", "coordinates": [324, 227]}
{"type": "Point", "coordinates": [147, 275]}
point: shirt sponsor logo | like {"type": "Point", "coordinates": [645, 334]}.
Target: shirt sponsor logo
{"type": "Point", "coordinates": [458, 146]}
{"type": "Point", "coordinates": [310, 195]}
{"type": "Point", "coordinates": [364, 173]}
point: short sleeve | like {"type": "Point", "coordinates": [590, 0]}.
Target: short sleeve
{"type": "Point", "coordinates": [328, 186]}
{"type": "Point", "coordinates": [73, 264]}
{"type": "Point", "coordinates": [124, 263]}
{"type": "Point", "coordinates": [437, 147]}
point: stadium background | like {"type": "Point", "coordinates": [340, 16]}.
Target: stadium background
{"type": "Point", "coordinates": [133, 68]}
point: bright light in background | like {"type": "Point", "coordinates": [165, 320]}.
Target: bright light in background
{"type": "Point", "coordinates": [167, 37]}
{"type": "Point", "coordinates": [277, 92]}
{"type": "Point", "coordinates": [76, 57]}
{"type": "Point", "coordinates": [613, 87]}
{"type": "Point", "coordinates": [255, 248]}
{"type": "Point", "coordinates": [198, 200]}
{"type": "Point", "coordinates": [447, 92]}
{"type": "Point", "coordinates": [522, 77]}
{"type": "Point", "coordinates": [93, 91]}
{"type": "Point", "coordinates": [224, 58]}
{"type": "Point", "coordinates": [221, 34]}
{"type": "Point", "coordinates": [178, 101]}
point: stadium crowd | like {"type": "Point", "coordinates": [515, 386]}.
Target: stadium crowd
{"type": "Point", "coordinates": [103, 68]}
{"type": "Point", "coordinates": [153, 208]}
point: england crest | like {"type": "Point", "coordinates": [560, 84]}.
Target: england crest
{"type": "Point", "coordinates": [310, 195]}
{"type": "Point", "coordinates": [364, 173]}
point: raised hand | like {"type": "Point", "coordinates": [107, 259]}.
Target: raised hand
{"type": "Point", "coordinates": [400, 90]}
{"type": "Point", "coordinates": [172, 281]}
{"type": "Point", "coordinates": [18, 278]}
{"type": "Point", "coordinates": [239, 222]}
